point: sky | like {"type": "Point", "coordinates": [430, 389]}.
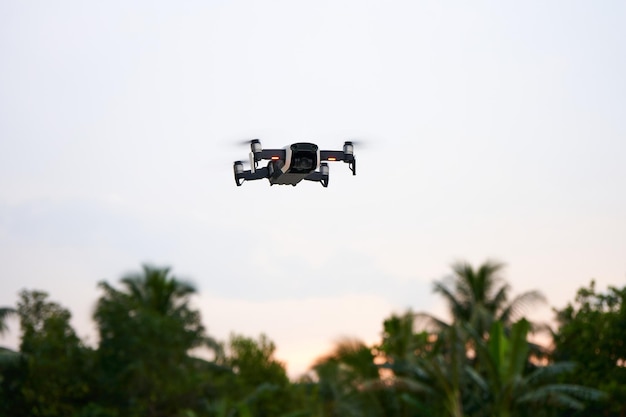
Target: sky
{"type": "Point", "coordinates": [487, 129]}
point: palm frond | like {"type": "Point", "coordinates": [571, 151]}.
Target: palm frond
{"type": "Point", "coordinates": [542, 397]}
{"type": "Point", "coordinates": [567, 395]}
{"type": "Point", "coordinates": [540, 327]}
{"type": "Point", "coordinates": [546, 373]}
{"type": "Point", "coordinates": [412, 385]}
{"type": "Point", "coordinates": [520, 304]}
{"type": "Point", "coordinates": [428, 322]}
{"type": "Point", "coordinates": [487, 278]}
{"type": "Point", "coordinates": [500, 297]}
{"type": "Point", "coordinates": [5, 313]}
{"type": "Point", "coordinates": [455, 304]}
{"type": "Point", "coordinates": [477, 379]}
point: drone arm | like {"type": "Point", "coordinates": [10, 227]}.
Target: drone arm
{"type": "Point", "coordinates": [333, 155]}
{"type": "Point", "coordinates": [348, 158]}
{"type": "Point", "coordinates": [270, 154]}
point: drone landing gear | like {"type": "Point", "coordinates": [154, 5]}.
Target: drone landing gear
{"type": "Point", "coordinates": [241, 175]}
{"type": "Point", "coordinates": [320, 176]}
{"type": "Point", "coordinates": [352, 166]}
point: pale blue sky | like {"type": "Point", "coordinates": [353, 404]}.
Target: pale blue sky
{"type": "Point", "coordinates": [494, 130]}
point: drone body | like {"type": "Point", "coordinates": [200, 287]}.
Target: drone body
{"type": "Point", "coordinates": [292, 164]}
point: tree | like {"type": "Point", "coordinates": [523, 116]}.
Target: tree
{"type": "Point", "coordinates": [405, 354]}
{"type": "Point", "coordinates": [401, 345]}
{"type": "Point", "coordinates": [348, 380]}
{"type": "Point", "coordinates": [254, 362]}
{"type": "Point", "coordinates": [440, 374]}
{"type": "Point", "coordinates": [510, 386]}
{"type": "Point", "coordinates": [591, 332]}
{"type": "Point", "coordinates": [480, 363]}
{"type": "Point", "coordinates": [480, 296]}
{"type": "Point", "coordinates": [431, 376]}
{"type": "Point", "coordinates": [50, 378]}
{"type": "Point", "coordinates": [9, 360]}
{"type": "Point", "coordinates": [258, 382]}
{"type": "Point", "coordinates": [146, 331]}
{"type": "Point", "coordinates": [5, 313]}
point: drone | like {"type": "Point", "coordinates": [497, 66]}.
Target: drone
{"type": "Point", "coordinates": [293, 163]}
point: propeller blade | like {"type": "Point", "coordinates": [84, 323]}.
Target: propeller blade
{"type": "Point", "coordinates": [359, 142]}
{"type": "Point", "coordinates": [245, 142]}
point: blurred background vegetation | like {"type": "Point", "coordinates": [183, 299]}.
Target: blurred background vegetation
{"type": "Point", "coordinates": [154, 358]}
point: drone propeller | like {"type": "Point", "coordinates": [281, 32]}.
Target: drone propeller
{"type": "Point", "coordinates": [244, 142]}
{"type": "Point", "coordinates": [247, 164]}
{"type": "Point", "coordinates": [255, 144]}
{"type": "Point", "coordinates": [359, 142]}
{"type": "Point", "coordinates": [247, 142]}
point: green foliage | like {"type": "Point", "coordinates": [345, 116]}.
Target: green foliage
{"type": "Point", "coordinates": [511, 385]}
{"type": "Point", "coordinates": [254, 363]}
{"type": "Point", "coordinates": [400, 344]}
{"type": "Point", "coordinates": [52, 377]}
{"type": "Point", "coordinates": [258, 384]}
{"type": "Point", "coordinates": [5, 313]}
{"type": "Point", "coordinates": [479, 365]}
{"type": "Point", "coordinates": [12, 372]}
{"type": "Point", "coordinates": [441, 373]}
{"type": "Point", "coordinates": [592, 333]}
{"type": "Point", "coordinates": [146, 331]}
{"type": "Point", "coordinates": [343, 376]}
{"type": "Point", "coordinates": [479, 296]}
{"type": "Point", "coordinates": [9, 363]}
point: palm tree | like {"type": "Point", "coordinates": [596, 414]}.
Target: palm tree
{"type": "Point", "coordinates": [156, 290]}
{"type": "Point", "coordinates": [509, 386]}
{"type": "Point", "coordinates": [440, 375]}
{"type": "Point", "coordinates": [480, 363]}
{"type": "Point", "coordinates": [5, 313]}
{"type": "Point", "coordinates": [147, 329]}
{"type": "Point", "coordinates": [8, 358]}
{"type": "Point", "coordinates": [480, 297]}
{"type": "Point", "coordinates": [400, 345]}
{"type": "Point", "coordinates": [343, 374]}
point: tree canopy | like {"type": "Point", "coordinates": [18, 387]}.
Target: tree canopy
{"type": "Point", "coordinates": [481, 364]}
{"type": "Point", "coordinates": [592, 333]}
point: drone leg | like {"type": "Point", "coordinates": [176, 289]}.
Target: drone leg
{"type": "Point", "coordinates": [318, 177]}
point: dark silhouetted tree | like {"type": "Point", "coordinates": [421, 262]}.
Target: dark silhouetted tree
{"type": "Point", "coordinates": [592, 333]}
{"type": "Point", "coordinates": [147, 329]}
{"type": "Point", "coordinates": [480, 296]}
{"type": "Point", "coordinates": [54, 363]}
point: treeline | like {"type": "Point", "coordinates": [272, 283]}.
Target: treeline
{"type": "Point", "coordinates": [479, 364]}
